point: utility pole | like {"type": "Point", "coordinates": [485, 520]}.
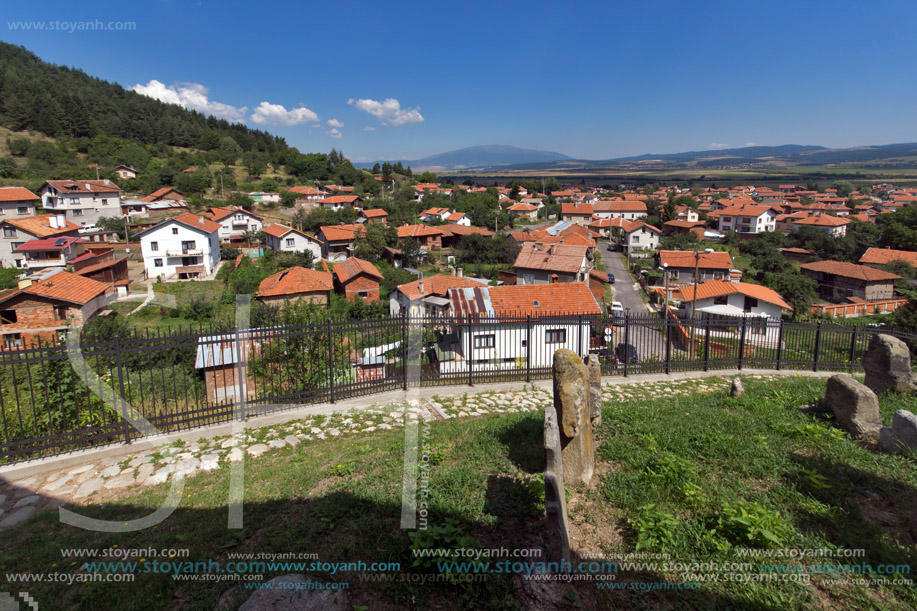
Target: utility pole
{"type": "Point", "coordinates": [127, 239]}
{"type": "Point", "coordinates": [97, 171]}
{"type": "Point", "coordinates": [221, 183]}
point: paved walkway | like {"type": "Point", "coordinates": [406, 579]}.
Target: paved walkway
{"type": "Point", "coordinates": [110, 472]}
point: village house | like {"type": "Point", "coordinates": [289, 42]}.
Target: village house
{"type": "Point", "coordinates": [307, 196]}
{"type": "Point", "coordinates": [434, 214]}
{"type": "Point", "coordinates": [458, 218]}
{"type": "Point", "coordinates": [296, 284]}
{"type": "Point", "coordinates": [183, 247]}
{"type": "Point", "coordinates": [719, 300]}
{"type": "Point", "coordinates": [452, 235]}
{"type": "Point", "coordinates": [637, 235]}
{"type": "Point", "coordinates": [82, 201]}
{"type": "Point", "coordinates": [286, 239]}
{"type": "Point", "coordinates": [831, 225]}
{"type": "Point", "coordinates": [355, 277]}
{"type": "Point", "coordinates": [235, 222]}
{"type": "Point", "coordinates": [581, 214]}
{"type": "Point", "coordinates": [264, 197]}
{"type": "Point", "coordinates": [126, 172]}
{"type": "Point", "coordinates": [41, 310]}
{"type": "Point", "coordinates": [538, 263]}
{"type": "Point", "coordinates": [839, 281]}
{"type": "Point", "coordinates": [374, 215]}
{"type": "Point", "coordinates": [627, 209]}
{"type": "Point", "coordinates": [339, 202]}
{"type": "Point", "coordinates": [14, 232]}
{"type": "Point", "coordinates": [429, 238]}
{"type": "Point", "coordinates": [477, 343]}
{"type": "Point", "coordinates": [45, 253]}
{"type": "Point", "coordinates": [747, 219]}
{"type": "Point", "coordinates": [680, 264]}
{"type": "Point", "coordinates": [877, 257]}
{"type": "Point", "coordinates": [100, 264]}
{"type": "Point", "coordinates": [601, 227]}
{"type": "Point", "coordinates": [428, 296]}
{"type": "Point", "coordinates": [337, 240]}
{"type": "Point", "coordinates": [17, 202]}
{"type": "Point", "coordinates": [686, 213]}
{"type": "Point", "coordinates": [523, 210]}
{"type": "Point", "coordinates": [227, 377]}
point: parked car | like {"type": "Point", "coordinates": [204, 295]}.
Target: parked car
{"type": "Point", "coordinates": [611, 278]}
{"type": "Point", "coordinates": [628, 352]}
{"type": "Point", "coordinates": [617, 313]}
{"type": "Point", "coordinates": [616, 306]}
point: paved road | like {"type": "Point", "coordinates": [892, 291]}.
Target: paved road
{"type": "Point", "coordinates": [626, 291]}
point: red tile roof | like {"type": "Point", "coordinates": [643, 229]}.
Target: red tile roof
{"type": "Point", "coordinates": [40, 225]}
{"type": "Point", "coordinates": [522, 300]}
{"type": "Point", "coordinates": [195, 221]}
{"type": "Point", "coordinates": [436, 285]}
{"type": "Point", "coordinates": [849, 270]}
{"type": "Point", "coordinates": [352, 267]}
{"type": "Point", "coordinates": [84, 186]}
{"type": "Point", "coordinates": [717, 288]}
{"type": "Point", "coordinates": [374, 213]}
{"type": "Point", "coordinates": [218, 214]}
{"type": "Point", "coordinates": [686, 258]}
{"type": "Point", "coordinates": [522, 207]}
{"type": "Point", "coordinates": [293, 281]}
{"type": "Point", "coordinates": [48, 244]}
{"type": "Point", "coordinates": [620, 206]}
{"type": "Point", "coordinates": [339, 199]}
{"type": "Point", "coordinates": [567, 258]}
{"type": "Point", "coordinates": [338, 233]}
{"type": "Point", "coordinates": [277, 230]}
{"type": "Point", "coordinates": [417, 231]}
{"type": "Point", "coordinates": [64, 286]}
{"type": "Point", "coordinates": [16, 194]}
{"type": "Point", "coordinates": [823, 220]}
{"type": "Point", "coordinates": [463, 230]}
{"type": "Point", "coordinates": [155, 195]}
{"type": "Point", "coordinates": [305, 190]}
{"type": "Point", "coordinates": [881, 256]}
{"type": "Point", "coordinates": [577, 209]}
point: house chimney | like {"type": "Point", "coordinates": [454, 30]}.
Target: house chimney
{"type": "Point", "coordinates": [52, 221]}
{"type": "Point", "coordinates": [61, 221]}
{"type": "Point", "coordinates": [107, 182]}
{"type": "Point", "coordinates": [460, 272]}
{"type": "Point", "coordinates": [420, 287]}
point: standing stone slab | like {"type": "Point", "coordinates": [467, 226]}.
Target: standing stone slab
{"type": "Point", "coordinates": [855, 406]}
{"type": "Point", "coordinates": [901, 436]}
{"type": "Point", "coordinates": [555, 502]}
{"type": "Point", "coordinates": [571, 402]}
{"type": "Point", "coordinates": [737, 390]}
{"type": "Point", "coordinates": [887, 363]}
{"type": "Point", "coordinates": [594, 380]}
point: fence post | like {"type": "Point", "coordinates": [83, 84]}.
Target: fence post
{"type": "Point", "coordinates": [853, 346]}
{"type": "Point", "coordinates": [668, 339]}
{"type": "Point", "coordinates": [742, 343]}
{"type": "Point", "coordinates": [470, 355]}
{"type": "Point", "coordinates": [579, 335]}
{"type": "Point", "coordinates": [125, 425]}
{"type": "Point", "coordinates": [404, 348]}
{"type": "Point", "coordinates": [779, 343]}
{"type": "Point", "coordinates": [330, 363]}
{"type": "Point", "coordinates": [817, 345]}
{"type": "Point", "coordinates": [528, 348]}
{"type": "Point", "coordinates": [626, 336]}
{"type": "Point", "coordinates": [707, 345]}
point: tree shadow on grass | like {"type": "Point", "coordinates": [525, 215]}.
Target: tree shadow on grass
{"type": "Point", "coordinates": [524, 442]}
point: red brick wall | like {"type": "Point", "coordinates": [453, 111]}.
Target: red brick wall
{"type": "Point", "coordinates": [362, 282]}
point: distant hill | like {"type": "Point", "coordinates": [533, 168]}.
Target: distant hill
{"type": "Point", "coordinates": [61, 101]}
{"type": "Point", "coordinates": [479, 157]}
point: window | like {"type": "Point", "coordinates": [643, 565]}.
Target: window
{"type": "Point", "coordinates": [13, 340]}
{"type": "Point", "coordinates": [721, 300]}
{"type": "Point", "coordinates": [22, 210]}
{"type": "Point", "coordinates": [750, 302]}
{"type": "Point", "coordinates": [727, 219]}
{"type": "Point", "coordinates": [104, 202]}
{"type": "Point", "coordinates": [8, 317]}
{"type": "Point", "coordinates": [60, 312]}
{"type": "Point", "coordinates": [188, 245]}
{"type": "Point", "coordinates": [154, 246]}
{"type": "Point", "coordinates": [484, 341]}
{"type": "Point", "coordinates": [15, 245]}
{"type": "Point", "coordinates": [555, 336]}
{"type": "Point", "coordinates": [157, 262]}
{"type": "Point", "coordinates": [9, 232]}
{"type": "Point", "coordinates": [175, 231]}
{"type": "Point", "coordinates": [77, 212]}
{"type": "Point", "coordinates": [636, 239]}
{"type": "Point", "coordinates": [363, 293]}
{"type": "Point", "coordinates": [291, 241]}
{"type": "Point", "coordinates": [224, 229]}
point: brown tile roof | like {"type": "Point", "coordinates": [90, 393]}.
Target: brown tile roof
{"type": "Point", "coordinates": [64, 286]}
{"type": "Point", "coordinates": [686, 258]}
{"type": "Point", "coordinates": [567, 258]}
{"type": "Point", "coordinates": [716, 288]}
{"type": "Point", "coordinates": [374, 213]}
{"type": "Point", "coordinates": [305, 190]}
{"type": "Point", "coordinates": [881, 256]}
{"type": "Point", "coordinates": [417, 231]}
{"type": "Point", "coordinates": [16, 194]}
{"type": "Point", "coordinates": [339, 199]}
{"type": "Point", "coordinates": [750, 210]}
{"type": "Point", "coordinates": [40, 225]}
{"type": "Point", "coordinates": [580, 209]}
{"type": "Point", "coordinates": [823, 220]}
{"type": "Point", "coordinates": [90, 269]}
{"type": "Point", "coordinates": [293, 281]}
{"type": "Point", "coordinates": [522, 207]}
{"type": "Point", "coordinates": [436, 285]}
{"type": "Point", "coordinates": [524, 300]}
{"type": "Point", "coordinates": [463, 230]}
{"type": "Point", "coordinates": [84, 186]}
{"type": "Point", "coordinates": [218, 214]}
{"type": "Point", "coordinates": [849, 270]}
{"type": "Point", "coordinates": [338, 233]}
{"type": "Point", "coordinates": [277, 230]}
{"type": "Point", "coordinates": [619, 206]}
{"type": "Point", "coordinates": [195, 221]}
{"type": "Point", "coordinates": [352, 267]}
{"type": "Point", "coordinates": [155, 195]}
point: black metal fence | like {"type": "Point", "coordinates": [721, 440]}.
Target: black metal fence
{"type": "Point", "coordinates": [56, 397]}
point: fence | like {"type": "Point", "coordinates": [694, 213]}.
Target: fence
{"type": "Point", "coordinates": [55, 398]}
{"type": "Point", "coordinates": [859, 309]}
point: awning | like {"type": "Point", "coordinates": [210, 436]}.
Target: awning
{"type": "Point", "coordinates": [728, 310]}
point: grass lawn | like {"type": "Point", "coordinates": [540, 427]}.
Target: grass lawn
{"type": "Point", "coordinates": [188, 291]}
{"type": "Point", "coordinates": [681, 469]}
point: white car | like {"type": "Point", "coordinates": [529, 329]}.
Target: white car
{"type": "Point", "coordinates": [617, 307]}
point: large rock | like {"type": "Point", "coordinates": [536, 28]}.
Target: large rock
{"type": "Point", "coordinates": [901, 436]}
{"type": "Point", "coordinates": [855, 406]}
{"type": "Point", "coordinates": [574, 418]}
{"type": "Point", "coordinates": [594, 382]}
{"type": "Point", "coordinates": [294, 592]}
{"type": "Point", "coordinates": [887, 363]}
{"type": "Point", "coordinates": [555, 501]}
{"type": "Point", "coordinates": [737, 389]}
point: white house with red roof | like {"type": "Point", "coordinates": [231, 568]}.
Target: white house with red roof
{"type": "Point", "coordinates": [748, 219]}
{"type": "Point", "coordinates": [82, 201]}
{"type": "Point", "coordinates": [184, 247]}
{"type": "Point", "coordinates": [235, 222]}
{"type": "Point", "coordinates": [287, 239]}
{"type": "Point", "coordinates": [17, 201]}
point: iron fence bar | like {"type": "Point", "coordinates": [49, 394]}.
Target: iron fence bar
{"type": "Point", "coordinates": [742, 343]}
{"type": "Point", "coordinates": [404, 350]}
{"type": "Point", "coordinates": [707, 345]}
{"type": "Point", "coordinates": [528, 348]}
{"type": "Point", "coordinates": [330, 362]}
{"type": "Point", "coordinates": [125, 423]}
{"type": "Point", "coordinates": [817, 345]}
{"type": "Point", "coordinates": [626, 338]}
{"type": "Point", "coordinates": [853, 346]}
{"type": "Point", "coordinates": [668, 340]}
{"type": "Point", "coordinates": [779, 344]}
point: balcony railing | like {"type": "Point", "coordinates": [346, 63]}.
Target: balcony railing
{"type": "Point", "coordinates": [184, 252]}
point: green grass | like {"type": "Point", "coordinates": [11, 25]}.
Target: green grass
{"type": "Point", "coordinates": [678, 489]}
{"type": "Point", "coordinates": [186, 292]}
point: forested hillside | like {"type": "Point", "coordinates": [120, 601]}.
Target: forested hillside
{"type": "Point", "coordinates": [60, 101]}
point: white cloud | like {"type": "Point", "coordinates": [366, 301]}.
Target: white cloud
{"type": "Point", "coordinates": [369, 128]}
{"type": "Point", "coordinates": [276, 114]}
{"type": "Point", "coordinates": [718, 145]}
{"type": "Point", "coordinates": [751, 144]}
{"type": "Point", "coordinates": [389, 111]}
{"type": "Point", "coordinates": [335, 123]}
{"type": "Point", "coordinates": [335, 133]}
{"type": "Point", "coordinates": [190, 95]}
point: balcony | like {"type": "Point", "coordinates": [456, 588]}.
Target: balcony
{"type": "Point", "coordinates": [184, 252]}
{"type": "Point", "coordinates": [33, 264]}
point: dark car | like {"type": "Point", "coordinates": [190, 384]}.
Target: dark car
{"type": "Point", "coordinates": [611, 278]}
{"type": "Point", "coordinates": [626, 351]}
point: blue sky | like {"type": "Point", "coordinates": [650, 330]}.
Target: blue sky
{"type": "Point", "coordinates": [402, 80]}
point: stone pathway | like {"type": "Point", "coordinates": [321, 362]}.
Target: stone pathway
{"type": "Point", "coordinates": [112, 478]}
